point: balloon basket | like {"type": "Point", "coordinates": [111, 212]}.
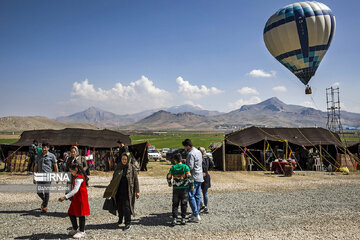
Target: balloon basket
{"type": "Point", "coordinates": [308, 90]}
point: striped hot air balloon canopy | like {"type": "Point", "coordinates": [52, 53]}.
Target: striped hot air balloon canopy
{"type": "Point", "coordinates": [299, 35]}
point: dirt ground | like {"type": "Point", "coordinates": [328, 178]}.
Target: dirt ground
{"type": "Point", "coordinates": [153, 181]}
{"type": "Point", "coordinates": [243, 205]}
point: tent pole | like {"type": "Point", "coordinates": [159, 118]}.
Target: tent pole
{"type": "Point", "coordinates": [320, 147]}
{"type": "Point", "coordinates": [223, 156]}
{"type": "Point", "coordinates": [264, 158]}
{"type": "Point", "coordinates": [94, 161]}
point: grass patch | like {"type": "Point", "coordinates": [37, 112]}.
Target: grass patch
{"type": "Point", "coordinates": [157, 169]}
{"type": "Point", "coordinates": [8, 141]}
{"type": "Point", "coordinates": [351, 139]}
{"type": "Point", "coordinates": [173, 140]}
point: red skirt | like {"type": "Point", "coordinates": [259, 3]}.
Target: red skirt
{"type": "Point", "coordinates": [80, 204]}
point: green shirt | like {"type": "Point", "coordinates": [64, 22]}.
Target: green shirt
{"type": "Point", "coordinates": [181, 176]}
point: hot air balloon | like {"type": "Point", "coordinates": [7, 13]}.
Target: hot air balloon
{"type": "Point", "coordinates": [298, 36]}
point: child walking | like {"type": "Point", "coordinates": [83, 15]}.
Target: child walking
{"type": "Point", "coordinates": [180, 173]}
{"type": "Point", "coordinates": [79, 206]}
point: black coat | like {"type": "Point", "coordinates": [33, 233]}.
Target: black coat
{"type": "Point", "coordinates": [205, 167]}
{"type": "Point", "coordinates": [112, 188]}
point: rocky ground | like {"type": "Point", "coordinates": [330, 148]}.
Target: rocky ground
{"type": "Point", "coordinates": [242, 206]}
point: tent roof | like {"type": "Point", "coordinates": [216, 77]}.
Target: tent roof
{"type": "Point", "coordinates": [74, 136]}
{"type": "Point", "coordinates": [298, 136]}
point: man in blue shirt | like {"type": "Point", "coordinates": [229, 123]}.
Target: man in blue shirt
{"type": "Point", "coordinates": [194, 161]}
{"type": "Point", "coordinates": [45, 163]}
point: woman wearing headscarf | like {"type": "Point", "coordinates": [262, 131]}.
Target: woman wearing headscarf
{"type": "Point", "coordinates": [75, 158]}
{"type": "Point", "coordinates": [207, 183]}
{"type": "Point", "coordinates": [122, 191]}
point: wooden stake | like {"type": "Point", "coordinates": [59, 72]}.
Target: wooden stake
{"type": "Point", "coordinates": [264, 153]}
{"type": "Point", "coordinates": [223, 156]}
{"type": "Point", "coordinates": [320, 152]}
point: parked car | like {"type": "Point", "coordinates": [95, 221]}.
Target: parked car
{"type": "Point", "coordinates": [151, 147]}
{"type": "Point", "coordinates": [164, 151]}
{"type": "Point", "coordinates": [154, 154]}
{"type": "Point", "coordinates": [171, 153]}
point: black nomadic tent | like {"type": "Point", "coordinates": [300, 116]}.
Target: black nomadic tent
{"type": "Point", "coordinates": [260, 137]}
{"type": "Point", "coordinates": [74, 136]}
{"type": "Point", "coordinates": [298, 136]}
{"type": "Point", "coordinates": [101, 140]}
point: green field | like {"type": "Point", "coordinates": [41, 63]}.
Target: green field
{"type": "Point", "coordinates": [351, 139]}
{"type": "Point", "coordinates": [8, 141]}
{"type": "Point", "coordinates": [167, 140]}
{"type": "Point", "coordinates": [173, 140]}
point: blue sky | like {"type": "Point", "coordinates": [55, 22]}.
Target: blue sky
{"type": "Point", "coordinates": [60, 57]}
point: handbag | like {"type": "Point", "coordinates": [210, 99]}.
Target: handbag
{"type": "Point", "coordinates": [110, 205]}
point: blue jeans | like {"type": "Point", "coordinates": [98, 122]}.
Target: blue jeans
{"type": "Point", "coordinates": [195, 198]}
{"type": "Point", "coordinates": [205, 196]}
{"type": "Point", "coordinates": [44, 194]}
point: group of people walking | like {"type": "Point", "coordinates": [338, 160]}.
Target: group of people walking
{"type": "Point", "coordinates": [188, 180]}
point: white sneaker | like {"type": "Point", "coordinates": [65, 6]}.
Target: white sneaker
{"type": "Point", "coordinates": [80, 235]}
{"type": "Point", "coordinates": [195, 218]}
{"type": "Point", "coordinates": [73, 232]}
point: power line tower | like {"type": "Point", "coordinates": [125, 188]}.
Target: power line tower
{"type": "Point", "coordinates": [333, 110]}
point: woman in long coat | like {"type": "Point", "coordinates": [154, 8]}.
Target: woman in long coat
{"type": "Point", "coordinates": [207, 181]}
{"type": "Point", "coordinates": [122, 191]}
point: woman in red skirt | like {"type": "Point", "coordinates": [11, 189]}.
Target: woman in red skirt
{"type": "Point", "coordinates": [79, 206]}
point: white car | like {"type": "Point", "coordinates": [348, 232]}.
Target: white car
{"type": "Point", "coordinates": [151, 147]}
{"type": "Point", "coordinates": [154, 155]}
{"type": "Point", "coordinates": [164, 151]}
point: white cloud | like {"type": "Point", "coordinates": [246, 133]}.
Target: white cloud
{"type": "Point", "coordinates": [247, 90]}
{"type": "Point", "coordinates": [193, 104]}
{"type": "Point", "coordinates": [335, 84]}
{"type": "Point", "coordinates": [137, 96]}
{"type": "Point", "coordinates": [343, 107]}
{"type": "Point", "coordinates": [194, 91]}
{"type": "Point", "coordinates": [279, 89]}
{"type": "Point", "coordinates": [261, 73]}
{"type": "Point", "coordinates": [240, 102]}
{"type": "Point", "coordinates": [308, 104]}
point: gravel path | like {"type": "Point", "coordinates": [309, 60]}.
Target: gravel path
{"type": "Point", "coordinates": [331, 212]}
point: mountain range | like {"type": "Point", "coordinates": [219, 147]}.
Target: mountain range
{"type": "Point", "coordinates": [271, 113]}
{"type": "Point", "coordinates": [18, 124]}
{"type": "Point", "coordinates": [103, 118]}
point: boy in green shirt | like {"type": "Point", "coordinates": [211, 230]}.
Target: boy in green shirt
{"type": "Point", "coordinates": [180, 173]}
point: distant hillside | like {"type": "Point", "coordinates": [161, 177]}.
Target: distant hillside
{"type": "Point", "coordinates": [166, 120]}
{"type": "Point", "coordinates": [103, 118]}
{"type": "Point", "coordinates": [13, 123]}
{"type": "Point", "coordinates": [274, 113]}
{"type": "Point", "coordinates": [99, 117]}
{"type": "Point", "coordinates": [191, 109]}
{"type": "Point", "coordinates": [270, 113]}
